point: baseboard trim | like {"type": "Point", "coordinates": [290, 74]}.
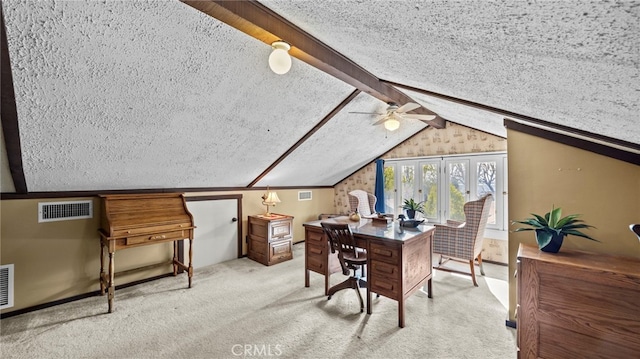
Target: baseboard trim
{"type": "Point", "coordinates": [78, 297]}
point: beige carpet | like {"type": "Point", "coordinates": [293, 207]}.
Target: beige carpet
{"type": "Point", "coordinates": [241, 309]}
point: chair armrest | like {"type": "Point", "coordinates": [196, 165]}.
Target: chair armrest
{"type": "Point", "coordinates": [457, 224]}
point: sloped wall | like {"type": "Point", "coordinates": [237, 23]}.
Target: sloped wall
{"type": "Point", "coordinates": [605, 191]}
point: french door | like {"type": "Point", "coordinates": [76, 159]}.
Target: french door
{"type": "Point", "coordinates": [445, 184]}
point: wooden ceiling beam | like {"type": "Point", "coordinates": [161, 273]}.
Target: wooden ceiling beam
{"type": "Point", "coordinates": [260, 22]}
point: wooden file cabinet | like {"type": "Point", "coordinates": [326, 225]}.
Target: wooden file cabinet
{"type": "Point", "coordinates": [574, 304]}
{"type": "Point", "coordinates": [270, 238]}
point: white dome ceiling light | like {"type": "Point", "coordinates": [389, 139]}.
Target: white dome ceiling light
{"type": "Point", "coordinates": [280, 60]}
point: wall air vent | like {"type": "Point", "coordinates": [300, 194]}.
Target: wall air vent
{"type": "Point", "coordinates": [6, 286]}
{"type": "Point", "coordinates": [62, 211]}
{"type": "Point", "coordinates": [304, 196]}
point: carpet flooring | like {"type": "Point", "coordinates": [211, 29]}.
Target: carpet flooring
{"type": "Point", "coordinates": [242, 309]}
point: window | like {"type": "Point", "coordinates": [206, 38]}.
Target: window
{"type": "Point", "coordinates": [446, 183]}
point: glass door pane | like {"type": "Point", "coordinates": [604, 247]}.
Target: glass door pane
{"type": "Point", "coordinates": [486, 174]}
{"type": "Point", "coordinates": [429, 189]}
{"type": "Point", "coordinates": [390, 189]}
{"type": "Point", "coordinates": [407, 184]}
{"type": "Point", "coordinates": [458, 192]}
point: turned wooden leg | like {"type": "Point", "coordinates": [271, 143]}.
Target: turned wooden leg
{"type": "Point", "coordinates": [190, 260]}
{"type": "Point", "coordinates": [473, 272]}
{"type": "Point", "coordinates": [102, 274]}
{"type": "Point", "coordinates": [401, 313]}
{"type": "Point", "coordinates": [111, 288]}
{"type": "Point", "coordinates": [175, 257]}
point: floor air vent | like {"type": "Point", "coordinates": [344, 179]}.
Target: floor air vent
{"type": "Point", "coordinates": [62, 211]}
{"type": "Point", "coordinates": [6, 286]}
{"type": "Point", "coordinates": [304, 196]}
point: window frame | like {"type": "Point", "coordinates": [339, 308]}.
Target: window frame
{"type": "Point", "coordinates": [471, 179]}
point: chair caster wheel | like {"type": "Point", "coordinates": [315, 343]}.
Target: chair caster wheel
{"type": "Point", "coordinates": [329, 298]}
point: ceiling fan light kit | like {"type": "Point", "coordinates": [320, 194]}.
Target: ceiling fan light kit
{"type": "Point", "coordinates": [391, 124]}
{"type": "Point", "coordinates": [280, 60]}
{"type": "Point", "coordinates": [393, 113]}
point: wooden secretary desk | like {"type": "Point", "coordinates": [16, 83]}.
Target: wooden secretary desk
{"type": "Point", "coordinates": [134, 220]}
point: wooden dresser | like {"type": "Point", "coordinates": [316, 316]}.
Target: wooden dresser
{"type": "Point", "coordinates": [270, 238]}
{"type": "Point", "coordinates": [135, 220]}
{"type": "Point", "coordinates": [575, 304]}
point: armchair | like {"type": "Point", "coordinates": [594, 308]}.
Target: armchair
{"type": "Point", "coordinates": [363, 202]}
{"type": "Point", "coordinates": [462, 241]}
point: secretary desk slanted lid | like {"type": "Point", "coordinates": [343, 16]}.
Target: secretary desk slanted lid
{"type": "Point", "coordinates": [154, 212]}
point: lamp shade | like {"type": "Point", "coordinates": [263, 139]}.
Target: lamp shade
{"type": "Point", "coordinates": [272, 197]}
{"type": "Point", "coordinates": [392, 124]}
{"type": "Point", "coordinates": [280, 60]}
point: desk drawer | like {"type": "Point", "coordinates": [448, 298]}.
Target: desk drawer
{"type": "Point", "coordinates": [384, 253]}
{"type": "Point", "coordinates": [386, 270]}
{"type": "Point", "coordinates": [157, 237]}
{"type": "Point", "coordinates": [316, 238]}
{"type": "Point", "coordinates": [384, 286]}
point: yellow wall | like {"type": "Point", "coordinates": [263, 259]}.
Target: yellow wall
{"type": "Point", "coordinates": [58, 260]}
{"type": "Point", "coordinates": [605, 191]}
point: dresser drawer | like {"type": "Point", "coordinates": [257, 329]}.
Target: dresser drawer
{"type": "Point", "coordinates": [384, 253]}
{"type": "Point", "coordinates": [158, 237]}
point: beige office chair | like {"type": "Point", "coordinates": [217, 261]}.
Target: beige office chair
{"type": "Point", "coordinates": [363, 202]}
{"type": "Point", "coordinates": [351, 257]}
{"type": "Point", "coordinates": [462, 241]}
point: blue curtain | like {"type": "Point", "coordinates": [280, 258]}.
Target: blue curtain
{"type": "Point", "coordinates": [379, 186]}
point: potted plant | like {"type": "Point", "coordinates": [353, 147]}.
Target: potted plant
{"type": "Point", "coordinates": [412, 207]}
{"type": "Point", "coordinates": [552, 228]}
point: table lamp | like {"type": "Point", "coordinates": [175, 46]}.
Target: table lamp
{"type": "Point", "coordinates": [270, 199]}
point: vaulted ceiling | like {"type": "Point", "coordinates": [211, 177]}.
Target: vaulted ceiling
{"type": "Point", "coordinates": [111, 95]}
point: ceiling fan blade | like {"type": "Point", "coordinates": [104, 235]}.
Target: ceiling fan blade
{"type": "Point", "coordinates": [380, 121]}
{"type": "Point", "coordinates": [409, 106]}
{"type": "Point", "coordinates": [367, 113]}
{"type": "Point", "coordinates": [419, 117]}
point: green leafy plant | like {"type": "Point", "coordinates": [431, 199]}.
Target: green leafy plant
{"type": "Point", "coordinates": [553, 224]}
{"type": "Point", "coordinates": [411, 205]}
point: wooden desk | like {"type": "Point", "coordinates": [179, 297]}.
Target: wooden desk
{"type": "Point", "coordinates": [399, 259]}
{"type": "Point", "coordinates": [138, 220]}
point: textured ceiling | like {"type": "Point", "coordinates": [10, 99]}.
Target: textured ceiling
{"type": "Point", "coordinates": [156, 94]}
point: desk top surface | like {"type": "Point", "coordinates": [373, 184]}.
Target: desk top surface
{"type": "Point", "coordinates": [366, 228]}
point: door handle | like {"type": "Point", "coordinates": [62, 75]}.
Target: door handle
{"type": "Point", "coordinates": [234, 219]}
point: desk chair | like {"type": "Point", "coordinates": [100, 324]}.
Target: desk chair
{"type": "Point", "coordinates": [350, 257]}
{"type": "Point", "coordinates": [635, 228]}
{"type": "Point", "coordinates": [462, 241]}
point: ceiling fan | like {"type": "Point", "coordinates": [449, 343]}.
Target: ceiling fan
{"type": "Point", "coordinates": [391, 118]}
